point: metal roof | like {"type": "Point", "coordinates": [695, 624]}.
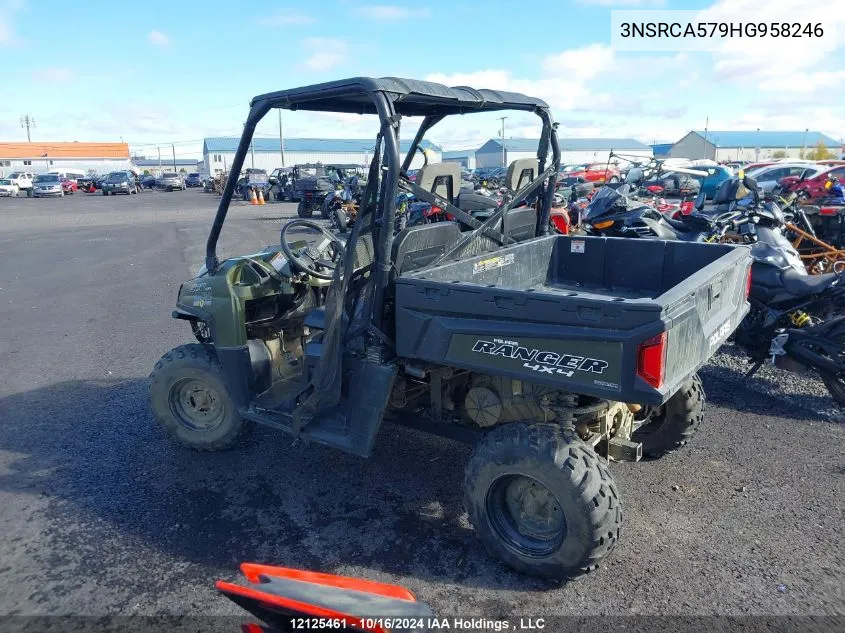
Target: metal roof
{"type": "Point", "coordinates": [566, 144]}
{"type": "Point", "coordinates": [459, 153]}
{"type": "Point", "coordinates": [64, 150]}
{"type": "Point", "coordinates": [764, 138]}
{"type": "Point", "coordinates": [410, 97]}
{"type": "Point", "coordinates": [325, 145]}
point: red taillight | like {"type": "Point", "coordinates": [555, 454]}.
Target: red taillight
{"type": "Point", "coordinates": [748, 284]}
{"type": "Point", "coordinates": [651, 360]}
{"type": "Point", "coordinates": [828, 211]}
{"type": "Point", "coordinates": [654, 188]}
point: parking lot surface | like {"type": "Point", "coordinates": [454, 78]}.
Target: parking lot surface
{"type": "Point", "coordinates": [101, 514]}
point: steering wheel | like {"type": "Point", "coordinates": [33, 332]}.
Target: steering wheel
{"type": "Point", "coordinates": [309, 259]}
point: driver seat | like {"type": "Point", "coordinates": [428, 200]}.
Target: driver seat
{"type": "Point", "coordinates": [521, 172]}
{"type": "Point", "coordinates": [441, 179]}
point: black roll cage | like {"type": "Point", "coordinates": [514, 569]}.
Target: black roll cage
{"type": "Point", "coordinates": [390, 99]}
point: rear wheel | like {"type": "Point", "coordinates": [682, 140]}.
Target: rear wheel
{"type": "Point", "coordinates": [105, 193]}
{"type": "Point", "coordinates": [671, 425]}
{"type": "Point", "coordinates": [304, 209]}
{"type": "Point", "coordinates": [835, 383]}
{"type": "Point", "coordinates": [189, 399]}
{"type": "Point", "coordinates": [541, 500]}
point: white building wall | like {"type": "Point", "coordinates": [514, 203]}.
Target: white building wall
{"type": "Point", "coordinates": [272, 160]}
{"type": "Point", "coordinates": [42, 166]}
{"type": "Point", "coordinates": [576, 157]}
{"type": "Point", "coordinates": [761, 153]}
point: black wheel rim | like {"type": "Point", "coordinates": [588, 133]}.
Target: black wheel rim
{"type": "Point", "coordinates": [526, 516]}
{"type": "Point", "coordinates": [196, 404]}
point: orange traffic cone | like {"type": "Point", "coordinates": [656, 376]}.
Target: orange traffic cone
{"type": "Point", "coordinates": [260, 196]}
{"type": "Point", "coordinates": [252, 198]}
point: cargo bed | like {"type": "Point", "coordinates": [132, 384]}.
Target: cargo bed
{"type": "Point", "coordinates": [575, 312]}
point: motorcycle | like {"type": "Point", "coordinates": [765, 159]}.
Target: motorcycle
{"type": "Point", "coordinates": [341, 206]}
{"type": "Point", "coordinates": [612, 213]}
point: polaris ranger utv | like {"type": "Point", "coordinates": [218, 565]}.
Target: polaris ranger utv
{"type": "Point", "coordinates": [311, 190]}
{"type": "Point", "coordinates": [551, 354]}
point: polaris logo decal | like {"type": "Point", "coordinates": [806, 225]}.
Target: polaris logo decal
{"type": "Point", "coordinates": [720, 334]}
{"type": "Point", "coordinates": [541, 361]}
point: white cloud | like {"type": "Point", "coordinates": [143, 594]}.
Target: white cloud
{"type": "Point", "coordinates": [391, 13]}
{"type": "Point", "coordinates": [286, 19]}
{"type": "Point", "coordinates": [157, 38]}
{"type": "Point", "coordinates": [743, 59]}
{"type": "Point", "coordinates": [53, 75]}
{"type": "Point", "coordinates": [8, 9]}
{"type": "Point", "coordinates": [650, 4]}
{"type": "Point", "coordinates": [584, 62]}
{"type": "Point", "coordinates": [325, 52]}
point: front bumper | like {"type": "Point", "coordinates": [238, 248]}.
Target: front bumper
{"type": "Point", "coordinates": [118, 188]}
{"type": "Point", "coordinates": [46, 192]}
{"type": "Point", "coordinates": [8, 192]}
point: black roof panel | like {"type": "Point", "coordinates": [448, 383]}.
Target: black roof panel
{"type": "Point", "coordinates": [411, 97]}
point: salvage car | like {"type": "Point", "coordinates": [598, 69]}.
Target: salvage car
{"type": "Point", "coordinates": [596, 173]}
{"type": "Point", "coordinates": [47, 185]}
{"type": "Point", "coordinates": [813, 186]}
{"type": "Point", "coordinates": [171, 181]}
{"type": "Point", "coordinates": [550, 355]}
{"type": "Point", "coordinates": [69, 187]}
{"type": "Point", "coordinates": [119, 182]}
{"type": "Point", "coordinates": [8, 188]}
{"type": "Point", "coordinates": [193, 180]}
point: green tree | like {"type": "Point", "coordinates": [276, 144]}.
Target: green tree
{"type": "Point", "coordinates": [779, 154]}
{"type": "Point", "coordinates": [820, 152]}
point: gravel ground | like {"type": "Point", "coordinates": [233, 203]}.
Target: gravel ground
{"type": "Point", "coordinates": [100, 514]}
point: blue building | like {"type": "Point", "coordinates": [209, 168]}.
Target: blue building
{"type": "Point", "coordinates": [757, 145]}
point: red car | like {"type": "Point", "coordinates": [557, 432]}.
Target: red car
{"type": "Point", "coordinates": [598, 173]}
{"type": "Point", "coordinates": [69, 186]}
{"type": "Point", "coordinates": [813, 186]}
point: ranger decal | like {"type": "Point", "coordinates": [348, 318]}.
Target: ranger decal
{"type": "Point", "coordinates": [541, 361]}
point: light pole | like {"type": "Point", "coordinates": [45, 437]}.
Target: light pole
{"type": "Point", "coordinates": [502, 119]}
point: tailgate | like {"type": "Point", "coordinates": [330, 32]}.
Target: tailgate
{"type": "Point", "coordinates": [704, 311]}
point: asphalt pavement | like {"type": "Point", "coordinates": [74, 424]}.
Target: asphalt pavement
{"type": "Point", "coordinates": [101, 514]}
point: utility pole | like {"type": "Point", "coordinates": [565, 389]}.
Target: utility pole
{"type": "Point", "coordinates": [804, 144]}
{"type": "Point", "coordinates": [27, 122]}
{"type": "Point", "coordinates": [281, 138]}
{"type": "Point", "coordinates": [173, 147]}
{"type": "Point", "coordinates": [704, 147]}
{"type": "Point", "coordinates": [502, 119]}
{"type": "Point", "coordinates": [159, 160]}
{"type": "Point", "coordinates": [252, 152]}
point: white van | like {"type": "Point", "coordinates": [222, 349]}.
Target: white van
{"type": "Point", "coordinates": [69, 173]}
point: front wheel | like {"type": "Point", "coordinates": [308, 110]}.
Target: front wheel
{"type": "Point", "coordinates": [189, 399]}
{"type": "Point", "coordinates": [671, 425]}
{"type": "Point", "coordinates": [542, 501]}
{"type": "Point", "coordinates": [105, 193]}
{"type": "Point", "coordinates": [304, 209]}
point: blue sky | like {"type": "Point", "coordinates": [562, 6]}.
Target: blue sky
{"type": "Point", "coordinates": [161, 72]}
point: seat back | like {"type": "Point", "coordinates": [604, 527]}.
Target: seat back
{"type": "Point", "coordinates": [441, 179]}
{"type": "Point", "coordinates": [417, 246]}
{"type": "Point", "coordinates": [520, 224]}
{"type": "Point", "coordinates": [521, 172]}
